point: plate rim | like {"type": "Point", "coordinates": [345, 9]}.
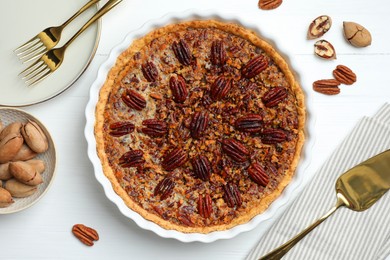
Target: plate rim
{"type": "Point", "coordinates": [169, 18]}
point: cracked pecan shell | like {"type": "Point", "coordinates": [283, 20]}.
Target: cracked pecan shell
{"type": "Point", "coordinates": [133, 99]}
{"type": "Point", "coordinates": [205, 207]}
{"type": "Point", "coordinates": [201, 167]}
{"type": "Point", "coordinates": [150, 72]}
{"type": "Point", "coordinates": [182, 52]}
{"type": "Point", "coordinates": [164, 188]}
{"type": "Point", "coordinates": [133, 158]}
{"type": "Point", "coordinates": [178, 88]}
{"type": "Point", "coordinates": [254, 67]}
{"type": "Point", "coordinates": [199, 123]}
{"type": "Point", "coordinates": [273, 136]}
{"type": "Point", "coordinates": [220, 88]}
{"type": "Point", "coordinates": [235, 150]}
{"type": "Point", "coordinates": [118, 129]}
{"type": "Point", "coordinates": [257, 173]}
{"type": "Point", "coordinates": [218, 53]}
{"type": "Point", "coordinates": [274, 96]}
{"type": "Point", "coordinates": [174, 159]}
{"type": "Point", "coordinates": [232, 195]}
{"type": "Point", "coordinates": [154, 127]}
{"type": "Point", "coordinates": [251, 123]}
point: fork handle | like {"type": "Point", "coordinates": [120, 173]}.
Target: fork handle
{"type": "Point", "coordinates": [107, 7]}
{"type": "Point", "coordinates": [279, 252]}
{"type": "Point", "coordinates": [82, 9]}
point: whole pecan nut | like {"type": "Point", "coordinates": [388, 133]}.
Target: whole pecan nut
{"type": "Point", "coordinates": [273, 136]}
{"type": "Point", "coordinates": [164, 188]}
{"type": "Point", "coordinates": [205, 207]}
{"type": "Point", "coordinates": [218, 53]}
{"type": "Point", "coordinates": [254, 67]}
{"type": "Point", "coordinates": [251, 123]}
{"type": "Point", "coordinates": [150, 72]}
{"type": "Point", "coordinates": [344, 75]}
{"type": "Point", "coordinates": [174, 159]}
{"type": "Point", "coordinates": [133, 158]}
{"type": "Point", "coordinates": [274, 96]}
{"type": "Point", "coordinates": [257, 173]}
{"type": "Point", "coordinates": [269, 4]}
{"type": "Point", "coordinates": [121, 128]}
{"type": "Point", "coordinates": [178, 88]}
{"type": "Point", "coordinates": [327, 86]}
{"type": "Point", "coordinates": [133, 99]}
{"type": "Point", "coordinates": [182, 52]}
{"type": "Point", "coordinates": [85, 234]}
{"type": "Point", "coordinates": [220, 88]}
{"type": "Point", "coordinates": [232, 195]}
{"type": "Point", "coordinates": [199, 123]}
{"type": "Point", "coordinates": [235, 150]}
{"type": "Point", "coordinates": [201, 167]}
{"type": "Point", "coordinates": [154, 127]}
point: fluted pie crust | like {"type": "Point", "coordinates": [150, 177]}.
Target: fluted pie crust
{"type": "Point", "coordinates": [180, 209]}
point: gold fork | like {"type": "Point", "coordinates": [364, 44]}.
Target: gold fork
{"type": "Point", "coordinates": [52, 59]}
{"type": "Point", "coordinates": [47, 39]}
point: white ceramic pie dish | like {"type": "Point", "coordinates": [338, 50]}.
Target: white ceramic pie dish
{"type": "Point", "coordinates": [286, 196]}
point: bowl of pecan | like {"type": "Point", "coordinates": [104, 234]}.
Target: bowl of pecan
{"type": "Point", "coordinates": [196, 127]}
{"type": "Point", "coordinates": [27, 160]}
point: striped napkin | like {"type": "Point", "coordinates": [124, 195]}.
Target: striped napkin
{"type": "Point", "coordinates": [346, 234]}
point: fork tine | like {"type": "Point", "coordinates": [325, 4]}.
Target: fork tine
{"type": "Point", "coordinates": [27, 44]}
{"type": "Point", "coordinates": [33, 56]}
{"type": "Point", "coordinates": [34, 72]}
{"type": "Point", "coordinates": [31, 52]}
{"type": "Point", "coordinates": [31, 67]}
{"type": "Point", "coordinates": [41, 77]}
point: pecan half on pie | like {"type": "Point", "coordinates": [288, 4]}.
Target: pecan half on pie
{"type": "Point", "coordinates": [199, 126]}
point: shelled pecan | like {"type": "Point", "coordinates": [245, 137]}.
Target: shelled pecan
{"type": "Point", "coordinates": [133, 99]}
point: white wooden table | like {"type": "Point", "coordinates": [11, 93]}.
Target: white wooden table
{"type": "Point", "coordinates": [44, 231]}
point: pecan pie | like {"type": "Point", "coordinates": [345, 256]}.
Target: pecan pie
{"type": "Point", "coordinates": [199, 126]}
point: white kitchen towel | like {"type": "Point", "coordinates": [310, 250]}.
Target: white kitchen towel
{"type": "Point", "coordinates": [346, 235]}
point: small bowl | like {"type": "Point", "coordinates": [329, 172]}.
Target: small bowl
{"type": "Point", "coordinates": [9, 115]}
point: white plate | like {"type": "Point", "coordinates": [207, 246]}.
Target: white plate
{"type": "Point", "coordinates": [287, 194]}
{"type": "Point", "coordinates": [9, 115]}
{"type": "Point", "coordinates": [21, 20]}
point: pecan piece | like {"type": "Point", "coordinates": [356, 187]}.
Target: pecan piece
{"type": "Point", "coordinates": [257, 173]}
{"type": "Point", "coordinates": [178, 88]}
{"type": "Point", "coordinates": [251, 123]}
{"type": "Point", "coordinates": [121, 128]}
{"type": "Point", "coordinates": [273, 136]}
{"type": "Point", "coordinates": [150, 72]}
{"type": "Point", "coordinates": [85, 234]}
{"type": "Point", "coordinates": [218, 53]}
{"type": "Point", "coordinates": [324, 49]}
{"type": "Point", "coordinates": [274, 96]}
{"type": "Point", "coordinates": [344, 75]}
{"type": "Point", "coordinates": [269, 4]}
{"type": "Point", "coordinates": [205, 207]}
{"type": "Point", "coordinates": [154, 127]}
{"type": "Point", "coordinates": [164, 188]}
{"type": "Point", "coordinates": [199, 123]}
{"type": "Point", "coordinates": [254, 67]}
{"type": "Point", "coordinates": [232, 195]}
{"type": "Point", "coordinates": [133, 99]}
{"type": "Point", "coordinates": [133, 158]}
{"type": "Point", "coordinates": [235, 150]}
{"type": "Point", "coordinates": [182, 52]}
{"type": "Point", "coordinates": [174, 159]}
{"type": "Point", "coordinates": [220, 88]}
{"type": "Point", "coordinates": [201, 167]}
{"type": "Point", "coordinates": [319, 27]}
{"type": "Point", "coordinates": [327, 86]}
